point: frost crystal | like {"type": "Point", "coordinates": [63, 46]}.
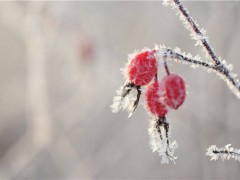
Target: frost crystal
{"type": "Point", "coordinates": [170, 3]}
{"type": "Point", "coordinates": [159, 140]}
{"type": "Point", "coordinates": [160, 53]}
{"type": "Point", "coordinates": [224, 153]}
{"type": "Point", "coordinates": [120, 103]}
{"type": "Point", "coordinates": [223, 70]}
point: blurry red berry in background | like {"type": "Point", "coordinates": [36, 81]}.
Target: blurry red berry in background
{"type": "Point", "coordinates": [85, 48]}
{"type": "Point", "coordinates": [154, 105]}
{"type": "Point", "coordinates": [173, 90]}
{"type": "Point", "coordinates": [142, 68]}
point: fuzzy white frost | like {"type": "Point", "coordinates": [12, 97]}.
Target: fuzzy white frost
{"type": "Point", "coordinates": [224, 153]}
{"type": "Point", "coordinates": [165, 151]}
{"type": "Point", "coordinates": [120, 103]}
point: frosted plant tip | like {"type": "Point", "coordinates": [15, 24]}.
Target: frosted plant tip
{"type": "Point", "coordinates": [227, 153]}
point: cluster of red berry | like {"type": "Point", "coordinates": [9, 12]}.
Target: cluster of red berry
{"type": "Point", "coordinates": [160, 96]}
{"type": "Point", "coordinates": [170, 92]}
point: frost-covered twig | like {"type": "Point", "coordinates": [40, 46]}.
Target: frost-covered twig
{"type": "Point", "coordinates": [199, 34]}
{"type": "Point", "coordinates": [124, 100]}
{"type": "Point", "coordinates": [224, 153]}
{"type": "Point", "coordinates": [196, 33]}
{"type": "Point", "coordinates": [159, 132]}
{"type": "Point", "coordinates": [223, 70]}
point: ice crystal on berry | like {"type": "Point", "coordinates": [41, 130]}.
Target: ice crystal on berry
{"type": "Point", "coordinates": [142, 68]}
{"type": "Point", "coordinates": [153, 101]}
{"type": "Point", "coordinates": [120, 103]}
{"type": "Point", "coordinates": [172, 90]}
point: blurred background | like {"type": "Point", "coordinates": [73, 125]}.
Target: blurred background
{"type": "Point", "coordinates": [59, 69]}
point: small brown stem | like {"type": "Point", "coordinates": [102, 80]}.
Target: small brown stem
{"type": "Point", "coordinates": [165, 64]}
{"type": "Point", "coordinates": [166, 67]}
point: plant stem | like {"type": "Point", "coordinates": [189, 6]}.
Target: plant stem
{"type": "Point", "coordinates": [226, 152]}
{"type": "Point", "coordinates": [217, 68]}
{"type": "Point", "coordinates": [165, 65]}
{"type": "Point", "coordinates": [198, 32]}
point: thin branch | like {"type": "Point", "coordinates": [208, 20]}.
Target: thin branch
{"type": "Point", "coordinates": [159, 132]}
{"type": "Point", "coordinates": [221, 69]}
{"type": "Point", "coordinates": [165, 64]}
{"type": "Point", "coordinates": [224, 153]}
{"type": "Point", "coordinates": [181, 57]}
{"type": "Point", "coordinates": [198, 32]}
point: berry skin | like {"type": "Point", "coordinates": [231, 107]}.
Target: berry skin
{"type": "Point", "coordinates": [173, 91]}
{"type": "Point", "coordinates": [154, 105]}
{"type": "Point", "coordinates": [142, 68]}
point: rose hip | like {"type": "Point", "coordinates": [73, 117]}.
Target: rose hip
{"type": "Point", "coordinates": [154, 105]}
{"type": "Point", "coordinates": [142, 68]}
{"type": "Point", "coordinates": [173, 91]}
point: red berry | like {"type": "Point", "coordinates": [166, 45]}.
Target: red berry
{"type": "Point", "coordinates": [142, 68]}
{"type": "Point", "coordinates": [155, 106]}
{"type": "Point", "coordinates": [173, 91]}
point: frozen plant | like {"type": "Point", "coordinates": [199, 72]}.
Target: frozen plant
{"type": "Point", "coordinates": [160, 96]}
{"type": "Point", "coordinates": [170, 92]}
{"type": "Point", "coordinates": [224, 153]}
{"type": "Point", "coordinates": [139, 71]}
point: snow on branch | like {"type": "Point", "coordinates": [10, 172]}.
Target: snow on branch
{"type": "Point", "coordinates": [220, 66]}
{"type": "Point", "coordinates": [223, 70]}
{"type": "Point", "coordinates": [198, 34]}
{"type": "Point", "coordinates": [159, 132]}
{"type": "Point", "coordinates": [227, 153]}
